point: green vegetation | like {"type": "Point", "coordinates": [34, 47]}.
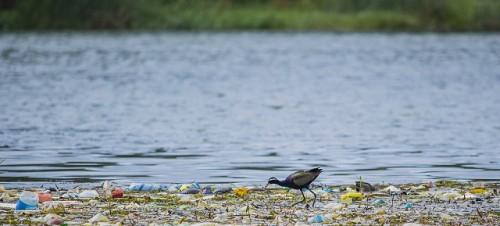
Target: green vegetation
{"type": "Point", "coordinates": [337, 15]}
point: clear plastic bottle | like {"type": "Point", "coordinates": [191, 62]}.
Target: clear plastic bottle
{"type": "Point", "coordinates": [27, 201]}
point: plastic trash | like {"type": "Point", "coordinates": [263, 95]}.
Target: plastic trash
{"type": "Point", "coordinates": [334, 206]}
{"type": "Point", "coordinates": [69, 195]}
{"type": "Point", "coordinates": [145, 187]}
{"type": "Point", "coordinates": [378, 202]}
{"type": "Point", "coordinates": [315, 219]}
{"type": "Point", "coordinates": [196, 185]}
{"type": "Point", "coordinates": [409, 205]}
{"type": "Point", "coordinates": [207, 191]}
{"type": "Point", "coordinates": [27, 201]}
{"type": "Point", "coordinates": [241, 191]}
{"type": "Point", "coordinates": [184, 187]}
{"type": "Point", "coordinates": [320, 219]}
{"type": "Point", "coordinates": [117, 193]}
{"type": "Point", "coordinates": [223, 190]}
{"type": "Point", "coordinates": [43, 197]}
{"type": "Point", "coordinates": [330, 190]}
{"type": "Point", "coordinates": [191, 191]}
{"type": "Point", "coordinates": [53, 219]}
{"type": "Point", "coordinates": [6, 197]}
{"type": "Point", "coordinates": [355, 196]}
{"type": "Point", "coordinates": [99, 218]}
{"type": "Point", "coordinates": [478, 191]}
{"type": "Point", "coordinates": [172, 188]}
{"type": "Point", "coordinates": [88, 194]}
{"type": "Point", "coordinates": [106, 185]}
{"type": "Point", "coordinates": [326, 219]}
{"type": "Point", "coordinates": [391, 189]}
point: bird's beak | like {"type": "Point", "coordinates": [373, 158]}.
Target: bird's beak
{"type": "Point", "coordinates": [266, 185]}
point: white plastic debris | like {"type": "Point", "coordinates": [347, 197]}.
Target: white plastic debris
{"type": "Point", "coordinates": [88, 194]}
{"type": "Point", "coordinates": [391, 189]}
{"type": "Point", "coordinates": [334, 206]}
{"type": "Point", "coordinates": [99, 218]}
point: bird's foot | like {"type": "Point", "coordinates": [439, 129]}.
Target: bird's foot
{"type": "Point", "coordinates": [307, 206]}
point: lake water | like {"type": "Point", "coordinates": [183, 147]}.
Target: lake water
{"type": "Point", "coordinates": [244, 106]}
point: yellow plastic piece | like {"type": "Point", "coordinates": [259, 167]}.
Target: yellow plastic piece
{"type": "Point", "coordinates": [183, 187]}
{"type": "Point", "coordinates": [241, 191]}
{"type": "Point", "coordinates": [355, 196]}
{"type": "Point", "coordinates": [478, 191]}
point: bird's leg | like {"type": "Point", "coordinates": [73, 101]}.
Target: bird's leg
{"type": "Point", "coordinates": [302, 199]}
{"type": "Point", "coordinates": [314, 196]}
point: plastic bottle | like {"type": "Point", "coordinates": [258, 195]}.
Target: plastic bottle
{"type": "Point", "coordinates": [27, 201]}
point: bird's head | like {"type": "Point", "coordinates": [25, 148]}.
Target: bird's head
{"type": "Point", "coordinates": [272, 180]}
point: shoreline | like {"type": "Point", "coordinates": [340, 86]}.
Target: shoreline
{"type": "Point", "coordinates": [441, 202]}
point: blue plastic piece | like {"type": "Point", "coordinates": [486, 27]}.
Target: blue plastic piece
{"type": "Point", "coordinates": [27, 201]}
{"type": "Point", "coordinates": [196, 185]}
{"type": "Point", "coordinates": [145, 187]}
{"type": "Point", "coordinates": [315, 219]}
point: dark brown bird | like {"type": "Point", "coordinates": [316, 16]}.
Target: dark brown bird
{"type": "Point", "coordinates": [299, 180]}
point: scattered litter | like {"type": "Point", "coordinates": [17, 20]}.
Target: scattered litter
{"type": "Point", "coordinates": [391, 189]}
{"type": "Point", "coordinates": [478, 191]}
{"type": "Point", "coordinates": [44, 197]}
{"type": "Point", "coordinates": [378, 202]}
{"type": "Point", "coordinates": [334, 206]}
{"type": "Point", "coordinates": [190, 191]}
{"type": "Point", "coordinates": [88, 194]}
{"type": "Point", "coordinates": [449, 202]}
{"type": "Point", "coordinates": [184, 187]}
{"type": "Point", "coordinates": [241, 191]}
{"type": "Point", "coordinates": [315, 219]}
{"type": "Point", "coordinates": [207, 191]}
{"type": "Point", "coordinates": [223, 190]}
{"type": "Point", "coordinates": [117, 193]}
{"type": "Point", "coordinates": [355, 196]}
{"type": "Point", "coordinates": [27, 201]}
{"type": "Point", "coordinates": [145, 187]}
{"type": "Point", "coordinates": [99, 218]}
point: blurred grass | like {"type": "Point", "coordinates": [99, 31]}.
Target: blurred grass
{"type": "Point", "coordinates": [336, 15]}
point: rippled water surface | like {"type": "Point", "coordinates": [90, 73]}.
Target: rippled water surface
{"type": "Point", "coordinates": [241, 107]}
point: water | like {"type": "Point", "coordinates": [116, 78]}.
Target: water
{"type": "Point", "coordinates": [241, 107]}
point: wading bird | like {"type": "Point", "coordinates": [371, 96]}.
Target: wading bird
{"type": "Point", "coordinates": [298, 180]}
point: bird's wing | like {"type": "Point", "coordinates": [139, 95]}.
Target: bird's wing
{"type": "Point", "coordinates": [302, 178]}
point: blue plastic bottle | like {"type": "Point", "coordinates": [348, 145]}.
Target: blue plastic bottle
{"type": "Point", "coordinates": [27, 201]}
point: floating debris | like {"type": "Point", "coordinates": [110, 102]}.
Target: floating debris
{"type": "Point", "coordinates": [241, 191]}
{"type": "Point", "coordinates": [117, 193]}
{"type": "Point", "coordinates": [145, 187]}
{"type": "Point", "coordinates": [99, 218]}
{"type": "Point", "coordinates": [223, 190]}
{"type": "Point", "coordinates": [44, 197]}
{"type": "Point", "coordinates": [448, 203]}
{"type": "Point", "coordinates": [190, 191]}
{"type": "Point", "coordinates": [354, 196]}
{"type": "Point", "coordinates": [207, 191]}
{"type": "Point", "coordinates": [27, 201]}
{"type": "Point", "coordinates": [88, 194]}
